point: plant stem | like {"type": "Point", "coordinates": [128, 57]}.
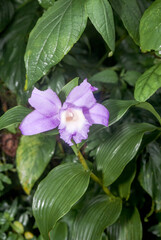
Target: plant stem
{"type": "Point", "coordinates": [92, 175]}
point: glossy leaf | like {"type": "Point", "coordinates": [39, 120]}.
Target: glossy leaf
{"type": "Point", "coordinates": [128, 226]}
{"type": "Point", "coordinates": [46, 3]}
{"type": "Point", "coordinates": [6, 13]}
{"type": "Point", "coordinates": [68, 88]}
{"type": "Point", "coordinates": [33, 155]}
{"type": "Point", "coordinates": [106, 76]}
{"type": "Point", "coordinates": [57, 193]}
{"type": "Point", "coordinates": [99, 214]}
{"type": "Point", "coordinates": [13, 116]}
{"type": "Point", "coordinates": [12, 70]}
{"type": "Point", "coordinates": [130, 14]}
{"type": "Point", "coordinates": [117, 108]}
{"type": "Point", "coordinates": [150, 28]}
{"type": "Point", "coordinates": [53, 36]}
{"type": "Point", "coordinates": [148, 83]}
{"type": "Point", "coordinates": [150, 174]}
{"type": "Point", "coordinates": [60, 231]}
{"type": "Point", "coordinates": [118, 150]}
{"type": "Point", "coordinates": [101, 15]}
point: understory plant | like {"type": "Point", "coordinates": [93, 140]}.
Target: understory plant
{"type": "Point", "coordinates": [80, 119]}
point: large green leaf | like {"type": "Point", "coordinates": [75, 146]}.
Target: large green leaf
{"type": "Point", "coordinates": [99, 214]}
{"type": "Point", "coordinates": [12, 70]}
{"type": "Point", "coordinates": [53, 36]}
{"type": "Point", "coordinates": [117, 108]}
{"type": "Point", "coordinates": [105, 76]}
{"type": "Point", "coordinates": [150, 174]}
{"type": "Point", "coordinates": [150, 28]}
{"type": "Point", "coordinates": [148, 83]}
{"type": "Point", "coordinates": [33, 155]}
{"type": "Point", "coordinates": [13, 116]}
{"type": "Point", "coordinates": [60, 231]}
{"type": "Point", "coordinates": [6, 13]}
{"type": "Point", "coordinates": [118, 150]}
{"type": "Point", "coordinates": [101, 15]}
{"type": "Point", "coordinates": [57, 193]}
{"type": "Point", "coordinates": [130, 14]}
{"type": "Point", "coordinates": [128, 226]}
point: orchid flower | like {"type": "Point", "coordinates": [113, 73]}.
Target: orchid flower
{"type": "Point", "coordinates": [73, 118]}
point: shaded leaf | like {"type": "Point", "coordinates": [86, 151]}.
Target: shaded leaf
{"type": "Point", "coordinates": [150, 28]}
{"type": "Point", "coordinates": [128, 226]}
{"type": "Point", "coordinates": [33, 155]}
{"type": "Point", "coordinates": [118, 150]}
{"type": "Point", "coordinates": [53, 36]}
{"type": "Point", "coordinates": [106, 76]}
{"type": "Point", "coordinates": [101, 15]}
{"type": "Point", "coordinates": [46, 3]}
{"type": "Point", "coordinates": [57, 193]}
{"type": "Point", "coordinates": [99, 214]}
{"type": "Point", "coordinates": [68, 88]}
{"type": "Point", "coordinates": [148, 83]}
{"type": "Point", "coordinates": [130, 14]}
{"type": "Point", "coordinates": [6, 13]}
{"type": "Point", "coordinates": [60, 231]}
{"type": "Point", "coordinates": [13, 116]}
{"type": "Point", "coordinates": [131, 77]}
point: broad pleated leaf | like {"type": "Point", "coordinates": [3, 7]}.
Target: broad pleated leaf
{"type": "Point", "coordinates": [6, 13]}
{"type": "Point", "coordinates": [117, 108]}
{"type": "Point", "coordinates": [101, 15]}
{"type": "Point", "coordinates": [68, 88]}
{"type": "Point", "coordinates": [46, 3]}
{"type": "Point", "coordinates": [13, 116]}
{"type": "Point", "coordinates": [99, 214]}
{"type": "Point", "coordinates": [148, 83]}
{"type": "Point", "coordinates": [150, 28]}
{"type": "Point", "coordinates": [57, 193]}
{"type": "Point", "coordinates": [150, 174]}
{"type": "Point", "coordinates": [60, 232]}
{"type": "Point", "coordinates": [118, 150]}
{"type": "Point", "coordinates": [53, 36]}
{"type": "Point", "coordinates": [128, 226]}
{"type": "Point", "coordinates": [33, 155]}
{"type": "Point", "coordinates": [12, 70]}
{"type": "Point", "coordinates": [130, 14]}
{"type": "Point", "coordinates": [106, 76]}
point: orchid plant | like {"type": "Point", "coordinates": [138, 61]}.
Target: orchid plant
{"type": "Point", "coordinates": [89, 156]}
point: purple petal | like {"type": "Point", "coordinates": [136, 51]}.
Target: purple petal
{"type": "Point", "coordinates": [45, 102]}
{"type": "Point", "coordinates": [98, 114]}
{"type": "Point", "coordinates": [35, 123]}
{"type": "Point", "coordinates": [82, 96]}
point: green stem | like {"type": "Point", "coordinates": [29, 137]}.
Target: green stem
{"type": "Point", "coordinates": [92, 175]}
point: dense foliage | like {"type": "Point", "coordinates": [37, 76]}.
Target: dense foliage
{"type": "Point", "coordinates": [108, 186]}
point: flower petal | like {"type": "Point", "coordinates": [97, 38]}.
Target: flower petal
{"type": "Point", "coordinates": [82, 96]}
{"type": "Point", "coordinates": [45, 102]}
{"type": "Point", "coordinates": [98, 114]}
{"type": "Point", "coordinates": [35, 123]}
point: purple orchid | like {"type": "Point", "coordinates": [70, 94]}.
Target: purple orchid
{"type": "Point", "coordinates": [73, 119]}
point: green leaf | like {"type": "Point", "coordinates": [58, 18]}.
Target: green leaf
{"type": "Point", "coordinates": [106, 76]}
{"type": "Point", "coordinates": [148, 83]}
{"type": "Point", "coordinates": [150, 28]}
{"type": "Point", "coordinates": [5, 178]}
{"type": "Point", "coordinates": [46, 3]}
{"type": "Point", "coordinates": [130, 14]}
{"type": "Point", "coordinates": [123, 183]}
{"type": "Point", "coordinates": [99, 214]}
{"type": "Point", "coordinates": [118, 150]}
{"type": "Point", "coordinates": [117, 108]}
{"type": "Point", "coordinates": [101, 15]}
{"type": "Point", "coordinates": [12, 66]}
{"type": "Point", "coordinates": [150, 174]}
{"type": "Point", "coordinates": [156, 229]}
{"type": "Point", "coordinates": [128, 226]}
{"type": "Point", "coordinates": [5, 167]}
{"type": "Point", "coordinates": [53, 36]}
{"type": "Point", "coordinates": [131, 77]}
{"type": "Point", "coordinates": [68, 88]}
{"type": "Point", "coordinates": [60, 231]}
{"type": "Point", "coordinates": [6, 13]}
{"type": "Point", "coordinates": [57, 193]}
{"type": "Point", "coordinates": [13, 116]}
{"type": "Point", "coordinates": [33, 155]}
